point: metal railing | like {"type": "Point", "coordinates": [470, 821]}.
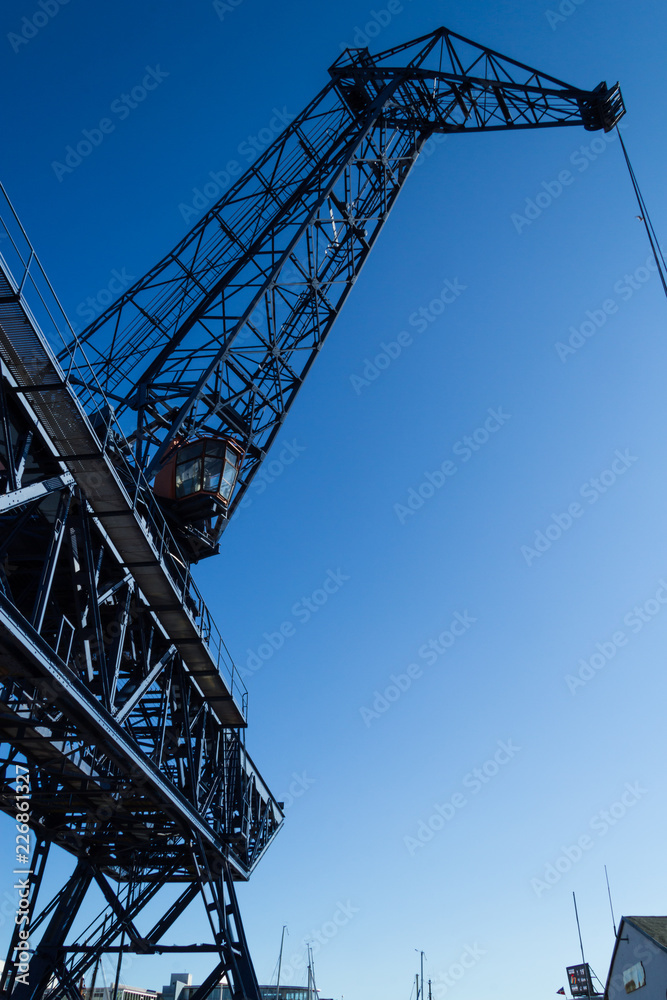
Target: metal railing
{"type": "Point", "coordinates": [42, 306]}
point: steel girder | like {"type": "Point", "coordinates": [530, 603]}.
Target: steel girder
{"type": "Point", "coordinates": [131, 770]}
{"type": "Point", "coordinates": [57, 968]}
{"type": "Point", "coordinates": [219, 336]}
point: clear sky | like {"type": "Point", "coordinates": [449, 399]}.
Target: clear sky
{"type": "Point", "coordinates": [369, 725]}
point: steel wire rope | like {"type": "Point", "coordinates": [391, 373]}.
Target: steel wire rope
{"type": "Point", "coordinates": [646, 219]}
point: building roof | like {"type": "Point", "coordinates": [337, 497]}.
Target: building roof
{"type": "Point", "coordinates": [653, 927]}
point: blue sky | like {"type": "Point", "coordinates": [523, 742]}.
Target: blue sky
{"type": "Point", "coordinates": [553, 690]}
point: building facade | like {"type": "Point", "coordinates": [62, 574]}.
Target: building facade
{"type": "Point", "coordinates": [123, 993]}
{"type": "Point", "coordinates": [639, 962]}
{"type": "Point", "coordinates": [180, 988]}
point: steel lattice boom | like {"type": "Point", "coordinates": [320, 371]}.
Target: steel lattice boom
{"type": "Point", "coordinates": [119, 703]}
{"type": "Point", "coordinates": [220, 335]}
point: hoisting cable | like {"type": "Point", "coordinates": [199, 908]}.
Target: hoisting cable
{"type": "Point", "coordinates": [646, 219]}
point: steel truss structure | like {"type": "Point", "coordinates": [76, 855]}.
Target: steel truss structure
{"type": "Point", "coordinates": [118, 699]}
{"type": "Point", "coordinates": [220, 335]}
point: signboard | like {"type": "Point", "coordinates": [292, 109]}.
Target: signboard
{"type": "Point", "coordinates": [579, 978]}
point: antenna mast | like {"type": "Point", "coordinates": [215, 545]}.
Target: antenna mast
{"type": "Point", "coordinates": [611, 905]}
{"type": "Point", "coordinates": [581, 943]}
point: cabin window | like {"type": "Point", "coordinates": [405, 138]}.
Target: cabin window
{"type": "Point", "coordinates": [230, 473]}
{"type": "Point", "coordinates": [188, 470]}
{"type": "Point", "coordinates": [215, 451]}
{"type": "Point", "coordinates": [206, 466]}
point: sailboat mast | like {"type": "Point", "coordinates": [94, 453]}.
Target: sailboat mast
{"type": "Point", "coordinates": [312, 986]}
{"type": "Point", "coordinates": [280, 961]}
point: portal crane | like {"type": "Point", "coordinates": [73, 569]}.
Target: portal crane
{"type": "Point", "coordinates": [123, 459]}
{"type": "Point", "coordinates": [213, 344]}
